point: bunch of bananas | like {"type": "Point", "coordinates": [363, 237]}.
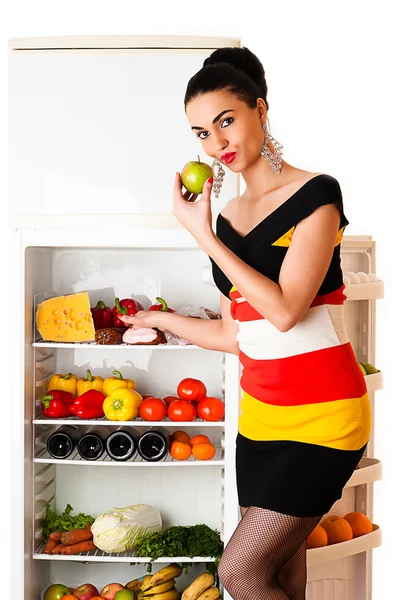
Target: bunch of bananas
{"type": "Point", "coordinates": [159, 586]}
{"type": "Point", "coordinates": [202, 589]}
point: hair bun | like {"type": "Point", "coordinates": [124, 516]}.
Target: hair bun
{"type": "Point", "coordinates": [240, 58]}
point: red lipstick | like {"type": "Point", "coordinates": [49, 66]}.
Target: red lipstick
{"type": "Point", "coordinates": [228, 157]}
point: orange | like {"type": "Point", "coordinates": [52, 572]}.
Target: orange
{"type": "Point", "coordinates": [180, 450]}
{"type": "Point", "coordinates": [199, 438]}
{"type": "Point", "coordinates": [359, 522]}
{"type": "Point", "coordinates": [204, 451]}
{"type": "Point", "coordinates": [318, 537]}
{"type": "Point", "coordinates": [181, 436]}
{"type": "Point", "coordinates": [337, 528]}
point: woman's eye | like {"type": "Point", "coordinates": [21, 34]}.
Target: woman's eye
{"type": "Point", "coordinates": [231, 119]}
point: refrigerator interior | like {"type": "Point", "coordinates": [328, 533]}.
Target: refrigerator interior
{"type": "Point", "coordinates": [185, 494]}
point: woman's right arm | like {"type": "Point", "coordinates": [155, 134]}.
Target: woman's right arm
{"type": "Point", "coordinates": [212, 334]}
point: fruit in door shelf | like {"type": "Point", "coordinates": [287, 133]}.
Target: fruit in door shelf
{"type": "Point", "coordinates": [337, 529]}
{"type": "Point", "coordinates": [112, 383]}
{"type": "Point", "coordinates": [210, 409]}
{"type": "Point", "coordinates": [317, 538]}
{"type": "Point", "coordinates": [182, 410]}
{"type": "Point", "coordinates": [66, 383]}
{"type": "Point", "coordinates": [122, 404]}
{"type": "Point", "coordinates": [66, 319]}
{"type": "Point", "coordinates": [369, 368]}
{"type": "Point", "coordinates": [162, 306]}
{"type": "Point", "coordinates": [56, 591]}
{"type": "Point", "coordinates": [109, 591]}
{"type": "Point", "coordinates": [203, 451]}
{"type": "Point", "coordinates": [359, 523]}
{"type": "Point", "coordinates": [89, 383]}
{"type": "Point", "coordinates": [86, 591]}
{"type": "Point", "coordinates": [194, 174]}
{"type": "Point", "coordinates": [153, 409]}
{"type": "Point", "coordinates": [102, 315]}
{"type": "Point", "coordinates": [191, 389]}
{"type": "Point", "coordinates": [127, 306]}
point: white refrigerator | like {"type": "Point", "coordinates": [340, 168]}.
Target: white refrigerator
{"type": "Point", "coordinates": [97, 132]}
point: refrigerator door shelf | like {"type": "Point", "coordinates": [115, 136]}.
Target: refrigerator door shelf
{"type": "Point", "coordinates": [317, 556]}
{"type": "Point", "coordinates": [365, 291]}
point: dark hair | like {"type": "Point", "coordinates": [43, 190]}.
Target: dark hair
{"type": "Point", "coordinates": [236, 70]}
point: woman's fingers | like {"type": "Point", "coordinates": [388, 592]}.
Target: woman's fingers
{"type": "Point", "coordinates": [128, 319]}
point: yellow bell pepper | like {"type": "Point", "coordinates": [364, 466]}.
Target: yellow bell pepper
{"type": "Point", "coordinates": [122, 404]}
{"type": "Point", "coordinates": [112, 383]}
{"type": "Point", "coordinates": [91, 383]}
{"type": "Point", "coordinates": [67, 383]}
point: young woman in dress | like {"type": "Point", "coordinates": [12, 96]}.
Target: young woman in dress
{"type": "Point", "coordinates": [305, 413]}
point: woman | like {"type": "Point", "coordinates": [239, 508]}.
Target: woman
{"type": "Point", "coordinates": [305, 413]}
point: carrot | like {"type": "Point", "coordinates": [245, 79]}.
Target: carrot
{"type": "Point", "coordinates": [55, 535]}
{"type": "Point", "coordinates": [85, 546]}
{"type": "Point", "coordinates": [50, 545]}
{"type": "Point", "coordinates": [57, 549]}
{"type": "Point", "coordinates": [74, 536]}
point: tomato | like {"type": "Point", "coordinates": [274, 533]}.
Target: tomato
{"type": "Point", "coordinates": [181, 410]}
{"type": "Point", "coordinates": [211, 409]}
{"type": "Point", "coordinates": [153, 409]}
{"type": "Point", "coordinates": [191, 389]}
{"type": "Point", "coordinates": [56, 591]}
{"type": "Point", "coordinates": [170, 399]}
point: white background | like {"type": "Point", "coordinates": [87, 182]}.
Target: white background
{"type": "Point", "coordinates": [331, 68]}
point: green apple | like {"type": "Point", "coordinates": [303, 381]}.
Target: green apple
{"type": "Point", "coordinates": [124, 595]}
{"type": "Point", "coordinates": [194, 175]}
{"type": "Point", "coordinates": [363, 370]}
{"type": "Point", "coordinates": [56, 591]}
{"type": "Point", "coordinates": [369, 368]}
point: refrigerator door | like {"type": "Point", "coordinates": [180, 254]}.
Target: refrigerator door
{"type": "Point", "coordinates": [102, 131]}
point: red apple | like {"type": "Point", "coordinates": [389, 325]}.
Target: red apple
{"type": "Point", "coordinates": [110, 590]}
{"type": "Point", "coordinates": [86, 591]}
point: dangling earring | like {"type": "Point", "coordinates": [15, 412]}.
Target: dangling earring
{"type": "Point", "coordinates": [273, 158]}
{"type": "Point", "coordinates": [218, 177]}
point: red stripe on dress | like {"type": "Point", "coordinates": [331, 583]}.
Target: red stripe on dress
{"type": "Point", "coordinates": [308, 378]}
{"type": "Point", "coordinates": [243, 311]}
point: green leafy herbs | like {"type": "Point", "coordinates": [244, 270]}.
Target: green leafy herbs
{"type": "Point", "coordinates": [63, 522]}
{"type": "Point", "coordinates": [195, 540]}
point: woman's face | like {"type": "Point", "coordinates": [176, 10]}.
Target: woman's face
{"type": "Point", "coordinates": [225, 124]}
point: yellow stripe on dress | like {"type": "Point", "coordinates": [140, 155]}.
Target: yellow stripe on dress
{"type": "Point", "coordinates": [342, 424]}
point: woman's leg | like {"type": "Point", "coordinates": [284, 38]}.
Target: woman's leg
{"type": "Point", "coordinates": [262, 543]}
{"type": "Point", "coordinates": [293, 575]}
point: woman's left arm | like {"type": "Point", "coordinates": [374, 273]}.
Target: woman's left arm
{"type": "Point", "coordinates": [303, 270]}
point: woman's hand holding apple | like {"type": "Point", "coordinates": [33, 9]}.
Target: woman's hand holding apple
{"type": "Point", "coordinates": [195, 216]}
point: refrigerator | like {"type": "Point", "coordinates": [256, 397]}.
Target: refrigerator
{"type": "Point", "coordinates": [97, 132]}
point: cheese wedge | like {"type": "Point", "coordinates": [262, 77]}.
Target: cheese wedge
{"type": "Point", "coordinates": [66, 319]}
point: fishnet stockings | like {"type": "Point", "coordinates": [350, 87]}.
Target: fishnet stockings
{"type": "Point", "coordinates": [265, 558]}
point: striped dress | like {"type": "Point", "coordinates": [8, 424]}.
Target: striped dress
{"type": "Point", "coordinates": [305, 414]}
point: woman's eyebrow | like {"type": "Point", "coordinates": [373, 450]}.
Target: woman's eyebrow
{"type": "Point", "coordinates": [215, 119]}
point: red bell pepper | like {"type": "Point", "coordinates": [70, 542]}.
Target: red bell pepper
{"type": "Point", "coordinates": [102, 315]}
{"type": "Point", "coordinates": [127, 306]}
{"type": "Point", "coordinates": [56, 404]}
{"type": "Point", "coordinates": [89, 405]}
{"type": "Point", "coordinates": [163, 306]}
